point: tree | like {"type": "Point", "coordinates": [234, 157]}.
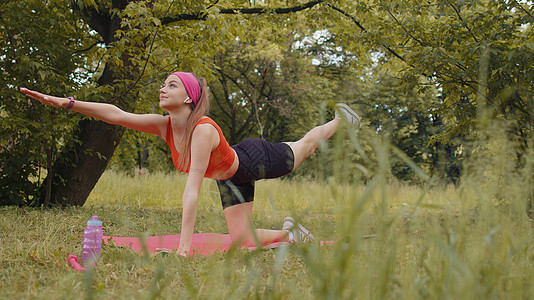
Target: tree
{"type": "Point", "coordinates": [119, 39]}
{"type": "Point", "coordinates": [262, 85]}
{"type": "Point", "coordinates": [477, 53]}
{"type": "Point", "coordinates": [30, 134]}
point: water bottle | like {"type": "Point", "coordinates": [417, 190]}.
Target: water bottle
{"type": "Point", "coordinates": [92, 241]}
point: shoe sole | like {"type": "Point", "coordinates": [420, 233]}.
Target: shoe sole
{"type": "Point", "coordinates": [352, 113]}
{"type": "Point", "coordinates": [306, 234]}
{"type": "Point", "coordinates": [303, 232]}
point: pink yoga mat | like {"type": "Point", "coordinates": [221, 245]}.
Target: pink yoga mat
{"type": "Point", "coordinates": [203, 243]}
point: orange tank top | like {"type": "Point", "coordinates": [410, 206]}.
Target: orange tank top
{"type": "Point", "coordinates": [221, 158]}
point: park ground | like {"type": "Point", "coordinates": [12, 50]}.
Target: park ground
{"type": "Point", "coordinates": [430, 242]}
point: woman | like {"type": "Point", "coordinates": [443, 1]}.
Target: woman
{"type": "Point", "coordinates": [199, 148]}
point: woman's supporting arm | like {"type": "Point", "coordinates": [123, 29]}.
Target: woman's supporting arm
{"type": "Point", "coordinates": [205, 139]}
{"type": "Point", "coordinates": [150, 123]}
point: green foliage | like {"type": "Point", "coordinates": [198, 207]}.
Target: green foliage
{"type": "Point", "coordinates": [30, 134]}
{"type": "Point", "coordinates": [139, 152]}
{"type": "Point", "coordinates": [271, 83]}
{"type": "Point", "coordinates": [410, 120]}
{"type": "Point", "coordinates": [84, 4]}
{"type": "Point", "coordinates": [446, 43]}
{"type": "Point", "coordinates": [264, 86]}
{"type": "Point", "coordinates": [454, 59]}
{"type": "Point", "coordinates": [79, 54]}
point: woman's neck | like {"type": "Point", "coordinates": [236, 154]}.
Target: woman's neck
{"type": "Point", "coordinates": [179, 118]}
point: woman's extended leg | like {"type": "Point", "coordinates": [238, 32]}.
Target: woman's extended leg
{"type": "Point", "coordinates": [305, 147]}
{"type": "Point", "coordinates": [238, 219]}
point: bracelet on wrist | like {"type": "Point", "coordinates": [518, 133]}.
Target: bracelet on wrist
{"type": "Point", "coordinates": [71, 103]}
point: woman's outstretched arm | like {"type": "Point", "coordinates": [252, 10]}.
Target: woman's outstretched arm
{"type": "Point", "coordinates": [150, 123]}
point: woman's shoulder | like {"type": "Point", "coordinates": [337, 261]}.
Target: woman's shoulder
{"type": "Point", "coordinates": [207, 131]}
{"type": "Point", "coordinates": [209, 124]}
{"type": "Point", "coordinates": [206, 119]}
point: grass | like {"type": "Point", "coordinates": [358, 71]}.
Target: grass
{"type": "Point", "coordinates": [432, 242]}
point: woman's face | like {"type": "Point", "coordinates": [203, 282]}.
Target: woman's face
{"type": "Point", "coordinates": [172, 94]}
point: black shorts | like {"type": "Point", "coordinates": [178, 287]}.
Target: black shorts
{"type": "Point", "coordinates": [258, 159]}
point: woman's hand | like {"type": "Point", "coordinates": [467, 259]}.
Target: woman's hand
{"type": "Point", "coordinates": [46, 99]}
{"type": "Point", "coordinates": [182, 252]}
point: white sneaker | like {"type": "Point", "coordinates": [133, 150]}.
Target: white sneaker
{"type": "Point", "coordinates": [348, 114]}
{"type": "Point", "coordinates": [300, 234]}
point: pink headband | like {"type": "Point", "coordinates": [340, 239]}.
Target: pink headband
{"type": "Point", "coordinates": [191, 85]}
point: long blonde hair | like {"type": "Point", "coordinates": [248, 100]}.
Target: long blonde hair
{"type": "Point", "coordinates": [201, 109]}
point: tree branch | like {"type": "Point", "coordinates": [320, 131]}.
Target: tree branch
{"type": "Point", "coordinates": [463, 22]}
{"type": "Point", "coordinates": [212, 5]}
{"type": "Point", "coordinates": [363, 29]}
{"type": "Point", "coordinates": [226, 96]}
{"type": "Point", "coordinates": [346, 14]}
{"type": "Point", "coordinates": [246, 11]}
{"type": "Point", "coordinates": [254, 111]}
{"type": "Point", "coordinates": [406, 30]}
{"type": "Point", "coordinates": [88, 48]}
{"type": "Point", "coordinates": [438, 74]}
{"type": "Point", "coordinates": [523, 9]}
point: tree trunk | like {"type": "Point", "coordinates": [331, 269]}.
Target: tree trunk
{"type": "Point", "coordinates": [80, 166]}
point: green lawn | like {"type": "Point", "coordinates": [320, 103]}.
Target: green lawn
{"type": "Point", "coordinates": [431, 243]}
